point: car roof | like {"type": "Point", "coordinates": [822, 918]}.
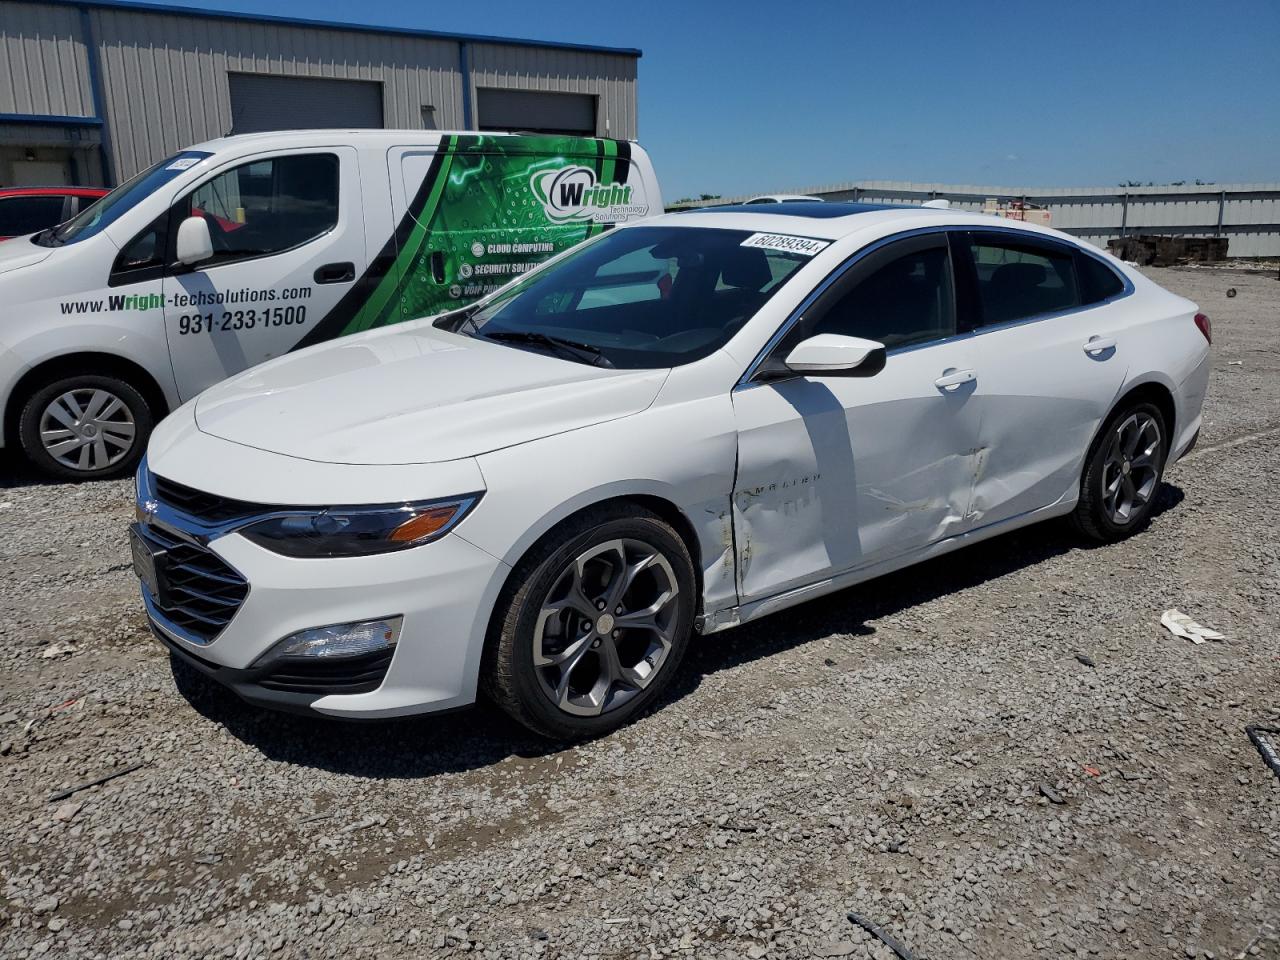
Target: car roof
{"type": "Point", "coordinates": [374, 136]}
{"type": "Point", "coordinates": [834, 220]}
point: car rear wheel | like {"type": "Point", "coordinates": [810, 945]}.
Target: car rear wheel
{"type": "Point", "coordinates": [593, 624]}
{"type": "Point", "coordinates": [1122, 474]}
{"type": "Point", "coordinates": [85, 427]}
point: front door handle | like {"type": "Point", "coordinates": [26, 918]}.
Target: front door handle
{"type": "Point", "coordinates": [1098, 344]}
{"type": "Point", "coordinates": [335, 273]}
{"type": "Point", "coordinates": [954, 379]}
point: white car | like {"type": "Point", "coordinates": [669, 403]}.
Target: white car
{"type": "Point", "coordinates": [676, 427]}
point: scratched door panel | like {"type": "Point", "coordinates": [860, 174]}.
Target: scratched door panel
{"type": "Point", "coordinates": [1043, 398]}
{"type": "Point", "coordinates": [836, 473]}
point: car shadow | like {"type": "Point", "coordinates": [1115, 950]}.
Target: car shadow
{"type": "Point", "coordinates": [851, 611]}
{"type": "Point", "coordinates": [425, 746]}
{"type": "Point", "coordinates": [16, 472]}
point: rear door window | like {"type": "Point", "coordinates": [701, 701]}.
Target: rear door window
{"type": "Point", "coordinates": [23, 215]}
{"type": "Point", "coordinates": [1018, 279]}
{"type": "Point", "coordinates": [1098, 281]}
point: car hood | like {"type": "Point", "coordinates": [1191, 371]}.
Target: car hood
{"type": "Point", "coordinates": [21, 252]}
{"type": "Point", "coordinates": [415, 394]}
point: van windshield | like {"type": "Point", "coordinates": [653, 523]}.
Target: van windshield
{"type": "Point", "coordinates": [638, 297]}
{"type": "Point", "coordinates": [96, 217]}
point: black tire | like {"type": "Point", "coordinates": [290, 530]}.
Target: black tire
{"type": "Point", "coordinates": [1093, 517]}
{"type": "Point", "coordinates": [509, 675]}
{"type": "Point", "coordinates": [116, 461]}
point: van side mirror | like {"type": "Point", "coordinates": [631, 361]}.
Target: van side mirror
{"type": "Point", "coordinates": [194, 242]}
{"type": "Point", "coordinates": [833, 355]}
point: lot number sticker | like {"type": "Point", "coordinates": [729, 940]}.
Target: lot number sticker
{"type": "Point", "coordinates": [805, 246]}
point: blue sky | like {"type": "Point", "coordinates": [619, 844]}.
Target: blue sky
{"type": "Point", "coordinates": [747, 96]}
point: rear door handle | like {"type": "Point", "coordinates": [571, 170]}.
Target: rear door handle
{"type": "Point", "coordinates": [1098, 344]}
{"type": "Point", "coordinates": [951, 381]}
{"type": "Point", "coordinates": [335, 273]}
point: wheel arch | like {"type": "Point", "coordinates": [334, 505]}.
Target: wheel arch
{"type": "Point", "coordinates": [88, 362]}
{"type": "Point", "coordinates": [654, 503]}
{"type": "Point", "coordinates": [663, 507]}
{"type": "Point", "coordinates": [1151, 390]}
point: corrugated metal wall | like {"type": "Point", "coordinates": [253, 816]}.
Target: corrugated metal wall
{"type": "Point", "coordinates": [164, 76]}
{"type": "Point", "coordinates": [1249, 212]}
{"type": "Point", "coordinates": [612, 78]}
{"type": "Point", "coordinates": [44, 67]}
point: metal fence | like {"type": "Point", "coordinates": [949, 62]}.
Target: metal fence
{"type": "Point", "coordinates": [1248, 214]}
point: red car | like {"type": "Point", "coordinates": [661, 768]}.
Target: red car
{"type": "Point", "coordinates": [26, 210]}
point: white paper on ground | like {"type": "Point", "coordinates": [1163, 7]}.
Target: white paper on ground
{"type": "Point", "coordinates": [1180, 625]}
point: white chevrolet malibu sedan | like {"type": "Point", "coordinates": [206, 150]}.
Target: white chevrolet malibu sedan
{"type": "Point", "coordinates": [673, 428]}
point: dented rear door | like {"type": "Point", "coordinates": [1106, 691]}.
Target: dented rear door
{"type": "Point", "coordinates": [1048, 378]}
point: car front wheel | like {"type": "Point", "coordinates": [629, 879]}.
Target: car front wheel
{"type": "Point", "coordinates": [85, 427]}
{"type": "Point", "coordinates": [593, 624]}
{"type": "Point", "coordinates": [1123, 473]}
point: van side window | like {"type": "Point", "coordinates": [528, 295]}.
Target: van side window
{"type": "Point", "coordinates": [904, 302]}
{"type": "Point", "coordinates": [1017, 280]}
{"type": "Point", "coordinates": [267, 206]}
{"type": "Point", "coordinates": [143, 257]}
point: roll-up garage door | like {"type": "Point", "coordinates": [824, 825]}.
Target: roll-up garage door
{"type": "Point", "coordinates": [536, 111]}
{"type": "Point", "coordinates": [260, 102]}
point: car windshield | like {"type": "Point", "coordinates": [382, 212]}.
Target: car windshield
{"type": "Point", "coordinates": [639, 297]}
{"type": "Point", "coordinates": [108, 209]}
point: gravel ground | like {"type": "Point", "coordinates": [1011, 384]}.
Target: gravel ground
{"type": "Point", "coordinates": [997, 754]}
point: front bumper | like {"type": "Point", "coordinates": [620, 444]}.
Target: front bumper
{"type": "Point", "coordinates": [444, 591]}
{"type": "Point", "coordinates": [269, 685]}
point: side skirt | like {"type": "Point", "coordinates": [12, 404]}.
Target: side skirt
{"type": "Point", "coordinates": [745, 613]}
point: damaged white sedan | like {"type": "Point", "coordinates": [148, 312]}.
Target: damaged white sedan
{"type": "Point", "coordinates": [676, 427]}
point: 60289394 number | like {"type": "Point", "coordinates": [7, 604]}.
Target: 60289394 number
{"type": "Point", "coordinates": [229, 321]}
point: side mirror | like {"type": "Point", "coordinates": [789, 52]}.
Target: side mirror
{"type": "Point", "coordinates": [833, 355]}
{"type": "Point", "coordinates": [194, 242]}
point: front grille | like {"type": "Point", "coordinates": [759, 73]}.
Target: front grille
{"type": "Point", "coordinates": [199, 592]}
{"type": "Point", "coordinates": [206, 507]}
{"type": "Point", "coordinates": [320, 675]}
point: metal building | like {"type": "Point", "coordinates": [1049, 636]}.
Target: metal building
{"type": "Point", "coordinates": [92, 91]}
{"type": "Point", "coordinates": [1247, 214]}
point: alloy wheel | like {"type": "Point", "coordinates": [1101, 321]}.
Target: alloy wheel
{"type": "Point", "coordinates": [1131, 467]}
{"type": "Point", "coordinates": [87, 429]}
{"type": "Point", "coordinates": [606, 627]}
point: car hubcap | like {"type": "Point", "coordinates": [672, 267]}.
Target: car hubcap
{"type": "Point", "coordinates": [87, 429]}
{"type": "Point", "coordinates": [606, 626]}
{"type": "Point", "coordinates": [1130, 467]}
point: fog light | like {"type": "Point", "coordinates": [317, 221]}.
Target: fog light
{"type": "Point", "coordinates": [340, 640]}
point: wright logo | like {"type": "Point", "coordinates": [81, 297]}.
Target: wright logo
{"type": "Point", "coordinates": [572, 193]}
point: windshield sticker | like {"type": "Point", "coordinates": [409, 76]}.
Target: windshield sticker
{"type": "Point", "coordinates": [805, 246]}
{"type": "Point", "coordinates": [186, 163]}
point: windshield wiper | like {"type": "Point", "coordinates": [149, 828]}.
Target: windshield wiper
{"type": "Point", "coordinates": [566, 348]}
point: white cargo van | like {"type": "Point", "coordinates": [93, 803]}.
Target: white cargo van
{"type": "Point", "coordinates": [241, 249]}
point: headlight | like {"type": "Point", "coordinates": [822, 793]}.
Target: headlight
{"type": "Point", "coordinates": [358, 531]}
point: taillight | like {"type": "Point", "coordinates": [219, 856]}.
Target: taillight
{"type": "Point", "coordinates": [1205, 326]}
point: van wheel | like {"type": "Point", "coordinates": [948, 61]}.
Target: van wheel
{"type": "Point", "coordinates": [85, 427]}
{"type": "Point", "coordinates": [593, 624]}
{"type": "Point", "coordinates": [1122, 474]}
